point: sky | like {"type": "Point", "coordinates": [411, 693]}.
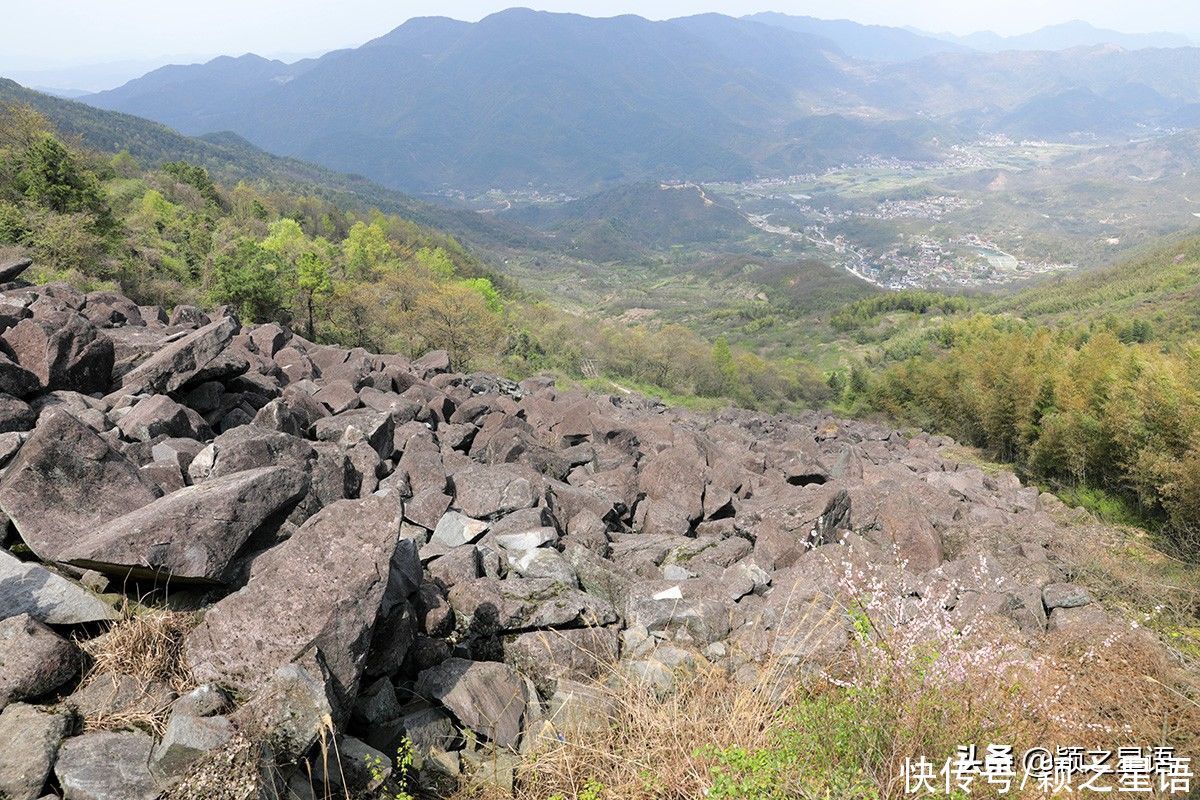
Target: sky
{"type": "Point", "coordinates": [54, 33]}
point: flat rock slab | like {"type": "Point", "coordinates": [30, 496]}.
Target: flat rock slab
{"type": "Point", "coordinates": [319, 592]}
{"type": "Point", "coordinates": [173, 366]}
{"type": "Point", "coordinates": [29, 740]}
{"type": "Point", "coordinates": [107, 766]}
{"type": "Point", "coordinates": [486, 696]}
{"type": "Point", "coordinates": [27, 588]}
{"type": "Point", "coordinates": [192, 533]}
{"type": "Point", "coordinates": [67, 482]}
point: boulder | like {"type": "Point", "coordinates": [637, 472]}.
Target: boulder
{"type": "Point", "coordinates": [64, 351]}
{"type": "Point", "coordinates": [549, 656]}
{"type": "Point", "coordinates": [34, 660]}
{"type": "Point", "coordinates": [175, 365]}
{"type": "Point", "coordinates": [192, 533]}
{"type": "Point", "coordinates": [485, 492]}
{"type": "Point", "coordinates": [66, 482]}
{"type": "Point", "coordinates": [15, 415]}
{"type": "Point", "coordinates": [27, 588]}
{"type": "Point", "coordinates": [106, 765]}
{"type": "Point", "coordinates": [487, 697]}
{"type": "Point", "coordinates": [1065, 595]}
{"type": "Point", "coordinates": [15, 380]}
{"type": "Point", "coordinates": [186, 740]}
{"type": "Point", "coordinates": [11, 268]}
{"type": "Point", "coordinates": [159, 416]}
{"type": "Point", "coordinates": [317, 594]}
{"type": "Point", "coordinates": [491, 605]}
{"type": "Point", "coordinates": [29, 740]}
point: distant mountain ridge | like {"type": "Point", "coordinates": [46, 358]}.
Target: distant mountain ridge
{"type": "Point", "coordinates": [1075, 33]}
{"type": "Point", "coordinates": [561, 101]}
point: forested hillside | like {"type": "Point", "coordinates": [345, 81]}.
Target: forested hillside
{"type": "Point", "coordinates": [1090, 384]}
{"type": "Point", "coordinates": [341, 274]}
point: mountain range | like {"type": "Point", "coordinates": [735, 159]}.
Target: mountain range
{"type": "Point", "coordinates": [524, 98]}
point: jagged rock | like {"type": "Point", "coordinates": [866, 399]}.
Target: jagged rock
{"type": "Point", "coordinates": [186, 740]}
{"type": "Point", "coordinates": [194, 532]}
{"type": "Point", "coordinates": [455, 529]}
{"type": "Point", "coordinates": [291, 707]}
{"type": "Point", "coordinates": [203, 701]}
{"type": "Point", "coordinates": [27, 588]}
{"type": "Point", "coordinates": [350, 427]}
{"type": "Point", "coordinates": [106, 766]}
{"type": "Point", "coordinates": [1065, 595]}
{"type": "Point", "coordinates": [485, 492]}
{"type": "Point", "coordinates": [158, 416]}
{"type": "Point", "coordinates": [486, 697]}
{"type": "Point", "coordinates": [64, 351]}
{"type": "Point", "coordinates": [549, 656]}
{"type": "Point", "coordinates": [517, 604]}
{"type": "Point", "coordinates": [34, 660]}
{"type": "Point", "coordinates": [251, 447]}
{"type": "Point", "coordinates": [175, 365]}
{"type": "Point", "coordinates": [15, 380]}
{"type": "Point", "coordinates": [11, 268]}
{"type": "Point", "coordinates": [323, 588]}
{"type": "Point", "coordinates": [65, 482]}
{"type": "Point", "coordinates": [29, 741]}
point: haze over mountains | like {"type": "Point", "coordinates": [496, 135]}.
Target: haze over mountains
{"type": "Point", "coordinates": [569, 102]}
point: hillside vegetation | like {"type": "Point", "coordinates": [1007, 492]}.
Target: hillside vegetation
{"type": "Point", "coordinates": [172, 234]}
{"type": "Point", "coordinates": [1091, 384]}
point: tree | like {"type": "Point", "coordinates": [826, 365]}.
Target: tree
{"type": "Point", "coordinates": [313, 281]}
{"type": "Point", "coordinates": [365, 250]}
{"type": "Point", "coordinates": [247, 278]}
{"type": "Point", "coordinates": [49, 175]}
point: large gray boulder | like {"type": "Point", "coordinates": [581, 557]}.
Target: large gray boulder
{"type": "Point", "coordinates": [107, 766]}
{"type": "Point", "coordinates": [487, 697]}
{"type": "Point", "coordinates": [175, 365]}
{"type": "Point", "coordinates": [159, 416]}
{"type": "Point", "coordinates": [194, 532]}
{"type": "Point", "coordinates": [28, 588]}
{"type": "Point", "coordinates": [29, 740]}
{"type": "Point", "coordinates": [67, 482]}
{"type": "Point", "coordinates": [16, 380]}
{"type": "Point", "coordinates": [34, 660]}
{"type": "Point", "coordinates": [519, 604]}
{"type": "Point", "coordinates": [319, 593]}
{"type": "Point", "coordinates": [64, 351]}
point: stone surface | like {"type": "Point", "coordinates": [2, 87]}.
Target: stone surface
{"type": "Point", "coordinates": [28, 588]}
{"type": "Point", "coordinates": [186, 740]}
{"type": "Point", "coordinates": [322, 591]}
{"type": "Point", "coordinates": [34, 659]}
{"type": "Point", "coordinates": [29, 741]}
{"type": "Point", "coordinates": [486, 697]}
{"type": "Point", "coordinates": [64, 351]}
{"type": "Point", "coordinates": [106, 766]}
{"type": "Point", "coordinates": [174, 366]}
{"type": "Point", "coordinates": [194, 532]}
{"type": "Point", "coordinates": [66, 482]}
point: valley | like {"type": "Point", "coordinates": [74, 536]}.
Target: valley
{"type": "Point", "coordinates": [554, 407]}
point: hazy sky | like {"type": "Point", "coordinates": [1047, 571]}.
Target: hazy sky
{"type": "Point", "coordinates": [50, 33]}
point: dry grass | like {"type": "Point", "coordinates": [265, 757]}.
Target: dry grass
{"type": "Point", "coordinates": [918, 689]}
{"type": "Point", "coordinates": [146, 644]}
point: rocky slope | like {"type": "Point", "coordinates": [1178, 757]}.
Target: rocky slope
{"type": "Point", "coordinates": [392, 551]}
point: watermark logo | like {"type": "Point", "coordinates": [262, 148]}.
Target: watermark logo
{"type": "Point", "coordinates": [1066, 770]}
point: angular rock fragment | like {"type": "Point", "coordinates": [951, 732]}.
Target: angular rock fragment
{"type": "Point", "coordinates": [65, 482]}
{"type": "Point", "coordinates": [192, 533]}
